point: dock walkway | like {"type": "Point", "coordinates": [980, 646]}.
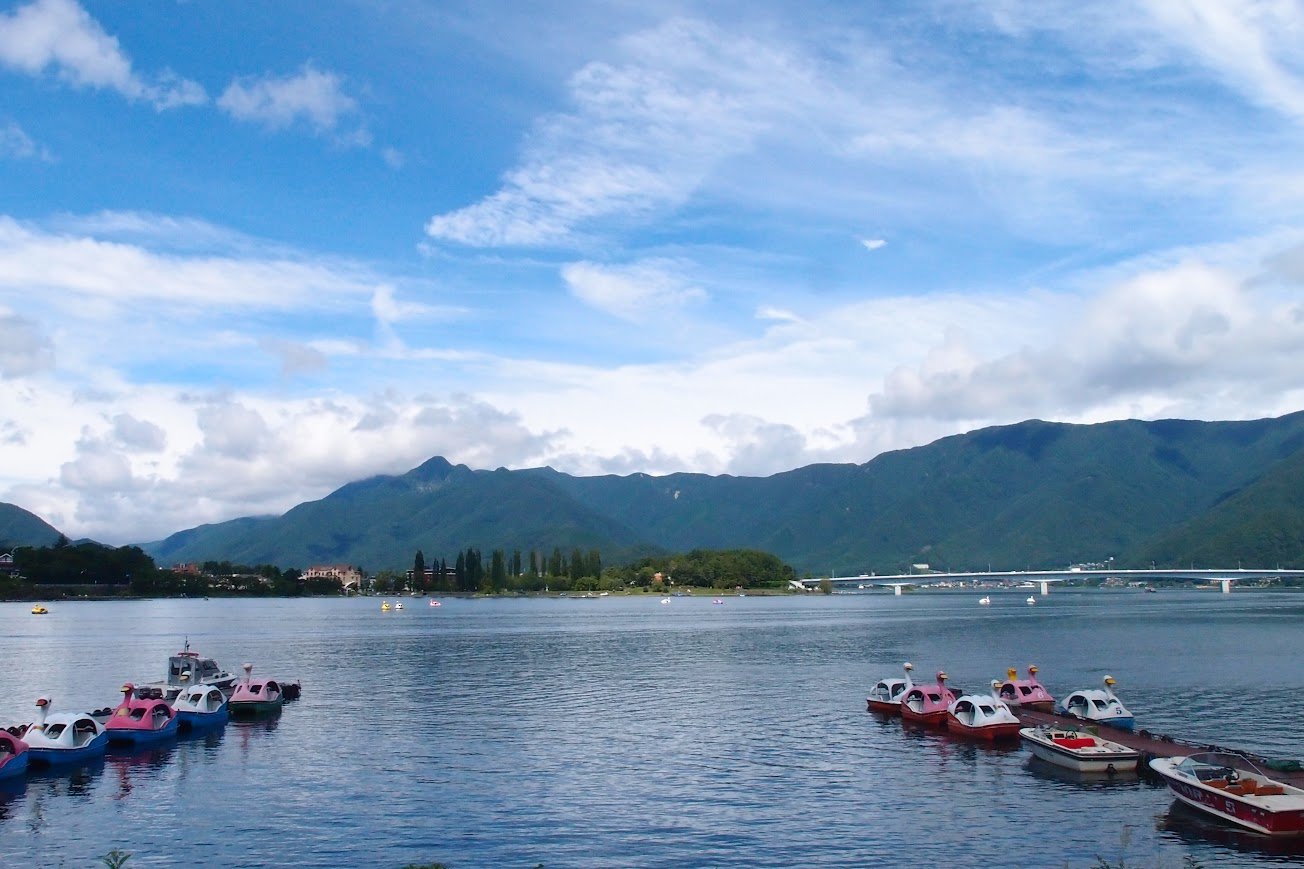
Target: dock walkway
{"type": "Point", "coordinates": [1150, 745]}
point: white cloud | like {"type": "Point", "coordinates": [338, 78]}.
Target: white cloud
{"type": "Point", "coordinates": [633, 292]}
{"type": "Point", "coordinates": [24, 350]}
{"type": "Point", "coordinates": [643, 136]}
{"type": "Point", "coordinates": [311, 96]}
{"type": "Point", "coordinates": [873, 243]}
{"type": "Point", "coordinates": [16, 144]}
{"type": "Point", "coordinates": [138, 434]}
{"type": "Point", "coordinates": [60, 34]}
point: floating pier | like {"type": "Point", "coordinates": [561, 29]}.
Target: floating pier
{"type": "Point", "coordinates": [1152, 745]}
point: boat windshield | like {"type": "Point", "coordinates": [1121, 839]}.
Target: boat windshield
{"type": "Point", "coordinates": [53, 731]}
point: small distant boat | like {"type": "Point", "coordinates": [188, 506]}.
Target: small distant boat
{"type": "Point", "coordinates": [256, 696]}
{"type": "Point", "coordinates": [65, 737]}
{"type": "Point", "coordinates": [39, 610]}
{"type": "Point", "coordinates": [142, 717]}
{"type": "Point", "coordinates": [1031, 600]}
{"type": "Point", "coordinates": [1084, 752]}
{"type": "Point", "coordinates": [1025, 692]}
{"type": "Point", "coordinates": [665, 600]}
{"type": "Point", "coordinates": [201, 707]}
{"type": "Point", "coordinates": [435, 603]}
{"type": "Point", "coordinates": [13, 756]}
{"type": "Point", "coordinates": [928, 703]}
{"type": "Point", "coordinates": [1231, 787]}
{"type": "Point", "coordinates": [398, 605]}
{"type": "Point", "coordinates": [982, 716]}
{"type": "Point", "coordinates": [719, 601]}
{"type": "Point", "coordinates": [384, 606]}
{"type": "Point", "coordinates": [984, 601]}
{"type": "Point", "coordinates": [1100, 706]}
{"type": "Point", "coordinates": [1150, 589]}
{"type": "Point", "coordinates": [885, 696]}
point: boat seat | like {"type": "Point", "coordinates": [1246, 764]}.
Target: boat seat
{"type": "Point", "coordinates": [1249, 785]}
{"type": "Point", "coordinates": [1271, 791]}
{"type": "Point", "coordinates": [1220, 783]}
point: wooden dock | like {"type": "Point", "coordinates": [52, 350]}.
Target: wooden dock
{"type": "Point", "coordinates": [1150, 745]}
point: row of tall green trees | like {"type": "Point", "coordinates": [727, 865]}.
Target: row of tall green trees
{"type": "Point", "coordinates": [581, 570]}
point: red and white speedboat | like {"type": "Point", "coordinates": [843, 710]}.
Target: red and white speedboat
{"type": "Point", "coordinates": [982, 716]}
{"type": "Point", "coordinates": [1025, 692]}
{"type": "Point", "coordinates": [1232, 788]}
{"type": "Point", "coordinates": [927, 703]}
{"type": "Point", "coordinates": [885, 697]}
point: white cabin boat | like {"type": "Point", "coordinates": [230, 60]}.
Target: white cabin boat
{"type": "Point", "coordinates": [1083, 752]}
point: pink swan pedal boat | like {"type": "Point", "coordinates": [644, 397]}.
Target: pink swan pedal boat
{"type": "Point", "coordinates": [1234, 789]}
{"type": "Point", "coordinates": [927, 704]}
{"type": "Point", "coordinates": [13, 756]}
{"type": "Point", "coordinates": [256, 696]}
{"type": "Point", "coordinates": [143, 717]}
{"type": "Point", "coordinates": [1026, 692]}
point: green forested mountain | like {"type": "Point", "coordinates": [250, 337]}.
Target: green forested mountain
{"type": "Point", "coordinates": [1035, 494]}
{"type": "Point", "coordinates": [21, 528]}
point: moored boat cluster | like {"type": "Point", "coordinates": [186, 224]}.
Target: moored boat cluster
{"type": "Point", "coordinates": [196, 696]}
{"type": "Point", "coordinates": [1226, 784]}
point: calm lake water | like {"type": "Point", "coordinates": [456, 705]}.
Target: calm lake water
{"type": "Point", "coordinates": [623, 732]}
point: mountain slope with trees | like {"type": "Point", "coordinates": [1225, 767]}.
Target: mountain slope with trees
{"type": "Point", "coordinates": [1034, 494]}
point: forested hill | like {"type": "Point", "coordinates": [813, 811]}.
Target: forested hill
{"type": "Point", "coordinates": [21, 528]}
{"type": "Point", "coordinates": [1034, 494]}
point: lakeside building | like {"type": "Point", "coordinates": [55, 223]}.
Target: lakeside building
{"type": "Point", "coordinates": [347, 575]}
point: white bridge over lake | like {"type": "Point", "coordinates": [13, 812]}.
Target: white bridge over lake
{"type": "Point", "coordinates": [1043, 578]}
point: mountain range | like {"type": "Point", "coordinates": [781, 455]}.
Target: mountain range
{"type": "Point", "coordinates": [1030, 495]}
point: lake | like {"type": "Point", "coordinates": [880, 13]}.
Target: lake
{"type": "Point", "coordinates": [623, 732]}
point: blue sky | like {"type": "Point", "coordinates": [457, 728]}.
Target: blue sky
{"type": "Point", "coordinates": [250, 252]}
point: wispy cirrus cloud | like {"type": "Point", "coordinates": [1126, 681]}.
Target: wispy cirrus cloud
{"type": "Point", "coordinates": [60, 35]}
{"type": "Point", "coordinates": [15, 144]}
{"type": "Point", "coordinates": [632, 292]}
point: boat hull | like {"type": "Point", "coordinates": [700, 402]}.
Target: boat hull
{"type": "Point", "coordinates": [15, 766]}
{"type": "Point", "coordinates": [59, 756]}
{"type": "Point", "coordinates": [936, 718]}
{"type": "Point", "coordinates": [884, 707]}
{"type": "Point", "coordinates": [1102, 760]}
{"type": "Point", "coordinates": [194, 721]}
{"type": "Point", "coordinates": [253, 708]}
{"type": "Point", "coordinates": [1280, 814]}
{"type": "Point", "coordinates": [141, 735]}
{"type": "Point", "coordinates": [990, 732]}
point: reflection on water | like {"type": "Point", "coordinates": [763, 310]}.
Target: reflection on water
{"type": "Point", "coordinates": [623, 732]}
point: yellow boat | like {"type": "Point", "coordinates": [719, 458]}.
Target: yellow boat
{"type": "Point", "coordinates": [39, 610]}
{"type": "Point", "coordinates": [384, 606]}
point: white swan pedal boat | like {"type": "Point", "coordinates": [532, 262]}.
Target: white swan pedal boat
{"type": "Point", "coordinates": [1232, 788]}
{"type": "Point", "coordinates": [1084, 752]}
{"type": "Point", "coordinates": [64, 737]}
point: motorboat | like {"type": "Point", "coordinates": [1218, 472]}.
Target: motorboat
{"type": "Point", "coordinates": [1084, 752]}
{"type": "Point", "coordinates": [39, 610]}
{"type": "Point", "coordinates": [256, 696]}
{"type": "Point", "coordinates": [142, 717]}
{"type": "Point", "coordinates": [201, 707]}
{"type": "Point", "coordinates": [188, 668]}
{"type": "Point", "coordinates": [1097, 705]}
{"type": "Point", "coordinates": [982, 716]}
{"type": "Point", "coordinates": [886, 695]}
{"type": "Point", "coordinates": [1233, 788]}
{"type": "Point", "coordinates": [928, 703]}
{"type": "Point", "coordinates": [1025, 692]}
{"type": "Point", "coordinates": [64, 737]}
{"type": "Point", "coordinates": [13, 756]}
